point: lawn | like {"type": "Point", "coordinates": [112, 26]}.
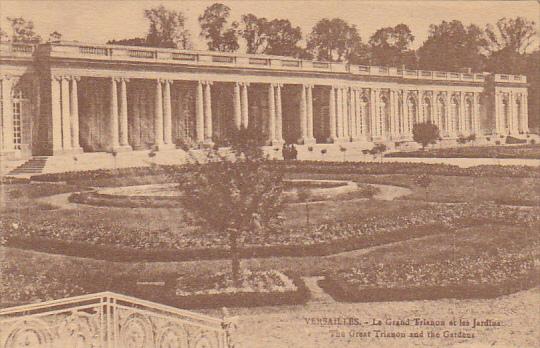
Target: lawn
{"type": "Point", "coordinates": [531, 151]}
{"type": "Point", "coordinates": [38, 276]}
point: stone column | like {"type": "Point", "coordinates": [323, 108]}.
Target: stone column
{"type": "Point", "coordinates": [271, 114]}
{"type": "Point", "coordinates": [245, 105]}
{"type": "Point", "coordinates": [359, 121]}
{"type": "Point", "coordinates": [74, 104]}
{"type": "Point", "coordinates": [236, 106]}
{"type": "Point", "coordinates": [332, 114]}
{"type": "Point", "coordinates": [525, 113]}
{"type": "Point", "coordinates": [56, 115]}
{"type": "Point", "coordinates": [449, 116]}
{"type": "Point", "coordinates": [461, 112]}
{"type": "Point", "coordinates": [392, 130]}
{"type": "Point", "coordinates": [434, 117]}
{"type": "Point", "coordinates": [353, 124]}
{"type": "Point", "coordinates": [158, 115]}
{"type": "Point", "coordinates": [208, 131]}
{"type": "Point", "coordinates": [113, 114]}
{"type": "Point", "coordinates": [309, 113]}
{"type": "Point", "coordinates": [199, 112]}
{"type": "Point", "coordinates": [279, 115]}
{"type": "Point", "coordinates": [339, 112]}
{"type": "Point", "coordinates": [167, 117]}
{"type": "Point", "coordinates": [124, 139]}
{"type": "Point", "coordinates": [346, 113]}
{"type": "Point", "coordinates": [7, 116]}
{"type": "Point", "coordinates": [66, 116]}
{"type": "Point", "coordinates": [303, 115]}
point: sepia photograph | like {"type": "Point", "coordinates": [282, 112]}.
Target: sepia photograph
{"type": "Point", "coordinates": [269, 173]}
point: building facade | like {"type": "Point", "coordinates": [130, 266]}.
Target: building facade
{"type": "Point", "coordinates": [70, 97]}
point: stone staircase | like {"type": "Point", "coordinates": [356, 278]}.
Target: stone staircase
{"type": "Point", "coordinates": [34, 165]}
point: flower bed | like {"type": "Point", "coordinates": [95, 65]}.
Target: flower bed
{"type": "Point", "coordinates": [120, 244]}
{"type": "Point", "coordinates": [261, 288]}
{"type": "Point", "coordinates": [483, 276]}
{"type": "Point", "coordinates": [97, 177]}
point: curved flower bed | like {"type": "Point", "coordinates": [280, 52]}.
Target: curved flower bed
{"type": "Point", "coordinates": [485, 275]}
{"type": "Point", "coordinates": [121, 244]}
{"type": "Point", "coordinates": [522, 151]}
{"type": "Point", "coordinates": [260, 288]}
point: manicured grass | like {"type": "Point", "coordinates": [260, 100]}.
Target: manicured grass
{"type": "Point", "coordinates": [516, 151]}
{"type": "Point", "coordinates": [450, 189]}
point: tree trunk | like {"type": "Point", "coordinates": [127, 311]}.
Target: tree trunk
{"type": "Point", "coordinates": [235, 257]}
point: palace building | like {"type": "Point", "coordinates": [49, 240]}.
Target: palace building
{"type": "Point", "coordinates": [70, 97]}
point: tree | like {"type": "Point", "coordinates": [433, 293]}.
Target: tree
{"type": "Point", "coordinates": [55, 36]}
{"type": "Point", "coordinates": [425, 133]}
{"type": "Point", "coordinates": [23, 30]}
{"type": "Point", "coordinates": [215, 29]}
{"type": "Point", "coordinates": [137, 41]}
{"type": "Point", "coordinates": [452, 46]}
{"type": "Point", "coordinates": [235, 195]}
{"type": "Point", "coordinates": [424, 181]}
{"type": "Point", "coordinates": [513, 34]}
{"type": "Point", "coordinates": [255, 33]}
{"type": "Point", "coordinates": [304, 195]}
{"type": "Point", "coordinates": [276, 37]}
{"type": "Point", "coordinates": [334, 40]}
{"type": "Point", "coordinates": [508, 43]}
{"type": "Point", "coordinates": [167, 28]}
{"type": "Point", "coordinates": [390, 46]}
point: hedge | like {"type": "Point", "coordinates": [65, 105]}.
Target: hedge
{"type": "Point", "coordinates": [166, 295]}
{"type": "Point", "coordinates": [129, 254]}
{"type": "Point", "coordinates": [343, 292]}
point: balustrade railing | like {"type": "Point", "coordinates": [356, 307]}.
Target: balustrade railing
{"type": "Point", "coordinates": [115, 52]}
{"type": "Point", "coordinates": [109, 320]}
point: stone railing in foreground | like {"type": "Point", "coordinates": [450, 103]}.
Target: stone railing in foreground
{"type": "Point", "coordinates": [15, 50]}
{"type": "Point", "coordinates": [78, 50]}
{"type": "Point", "coordinates": [107, 320]}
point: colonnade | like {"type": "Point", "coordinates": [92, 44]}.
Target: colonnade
{"type": "Point", "coordinates": [355, 112]}
{"type": "Point", "coordinates": [511, 115]}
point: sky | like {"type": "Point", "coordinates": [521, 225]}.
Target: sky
{"type": "Point", "coordinates": [98, 21]}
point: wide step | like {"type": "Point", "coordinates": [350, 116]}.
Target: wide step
{"type": "Point", "coordinates": [34, 165]}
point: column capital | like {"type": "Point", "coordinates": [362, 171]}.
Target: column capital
{"type": "Point", "coordinates": [206, 82]}
{"type": "Point", "coordinates": [277, 84]}
{"type": "Point", "coordinates": [6, 76]}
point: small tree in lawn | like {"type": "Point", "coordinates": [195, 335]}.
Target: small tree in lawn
{"type": "Point", "coordinates": [425, 133]}
{"type": "Point", "coordinates": [304, 195]}
{"type": "Point", "coordinates": [235, 194]}
{"type": "Point", "coordinates": [424, 181]}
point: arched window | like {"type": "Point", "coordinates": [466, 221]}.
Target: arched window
{"type": "Point", "coordinates": [20, 100]}
{"type": "Point", "coordinates": [441, 113]}
{"type": "Point", "coordinates": [411, 112]}
{"type": "Point", "coordinates": [427, 110]}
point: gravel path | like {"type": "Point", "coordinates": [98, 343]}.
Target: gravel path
{"type": "Point", "coordinates": [287, 326]}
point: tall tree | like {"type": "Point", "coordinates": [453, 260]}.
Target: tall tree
{"type": "Point", "coordinates": [452, 46]}
{"type": "Point", "coordinates": [508, 43]}
{"type": "Point", "coordinates": [334, 40]}
{"type": "Point", "coordinates": [167, 28]}
{"type": "Point", "coordinates": [23, 30]}
{"type": "Point", "coordinates": [254, 32]}
{"type": "Point", "coordinates": [390, 46]}
{"type": "Point", "coordinates": [513, 34]}
{"type": "Point", "coordinates": [276, 37]}
{"type": "Point", "coordinates": [283, 38]}
{"type": "Point", "coordinates": [219, 35]}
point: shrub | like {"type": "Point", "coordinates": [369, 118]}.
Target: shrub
{"type": "Point", "coordinates": [425, 133]}
{"type": "Point", "coordinates": [513, 140]}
